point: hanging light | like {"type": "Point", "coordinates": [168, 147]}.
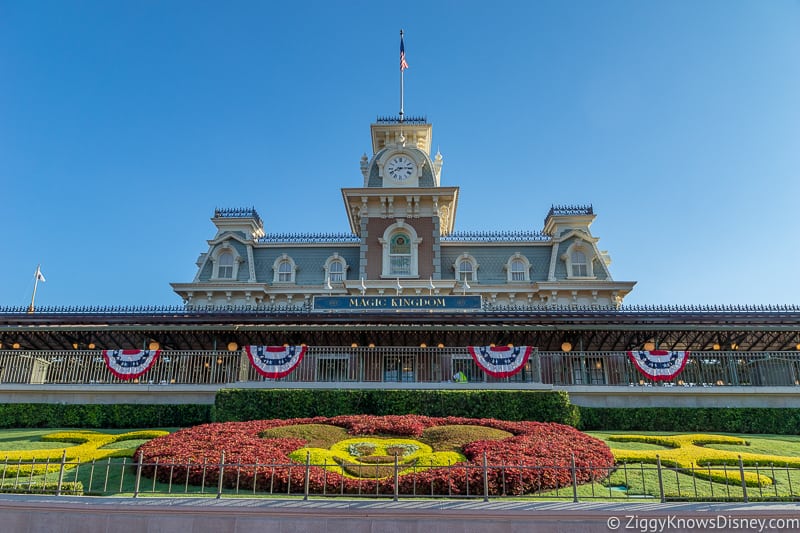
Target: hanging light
{"type": "Point", "coordinates": [423, 345]}
{"type": "Point", "coordinates": [510, 345]}
{"type": "Point", "coordinates": [798, 346]}
{"type": "Point", "coordinates": [15, 346]}
{"type": "Point", "coordinates": [566, 346]}
{"type": "Point", "coordinates": [74, 345]}
{"type": "Point", "coordinates": [649, 346]}
{"type": "Point", "coordinates": [716, 346]}
{"type": "Point", "coordinates": [232, 346]}
{"type": "Point", "coordinates": [91, 346]}
{"type": "Point", "coordinates": [440, 345]}
{"type": "Point", "coordinates": [154, 345]}
{"type": "Point", "coordinates": [372, 345]}
{"type": "Point", "coordinates": [734, 346]}
{"type": "Point", "coordinates": [354, 345]}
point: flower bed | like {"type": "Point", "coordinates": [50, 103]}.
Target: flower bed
{"type": "Point", "coordinates": [537, 457]}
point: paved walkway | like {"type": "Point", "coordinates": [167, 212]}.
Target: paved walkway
{"type": "Point", "coordinates": [66, 514]}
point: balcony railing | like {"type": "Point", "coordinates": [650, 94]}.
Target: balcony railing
{"type": "Point", "coordinates": [364, 365]}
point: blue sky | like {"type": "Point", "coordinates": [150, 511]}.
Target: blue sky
{"type": "Point", "coordinates": [124, 124]}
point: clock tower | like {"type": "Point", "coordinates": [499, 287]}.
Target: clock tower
{"type": "Point", "coordinates": [402, 211]}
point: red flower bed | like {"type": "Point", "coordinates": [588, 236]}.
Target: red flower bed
{"type": "Point", "coordinates": [537, 457]}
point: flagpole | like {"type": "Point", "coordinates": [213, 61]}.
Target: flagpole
{"type": "Point", "coordinates": [402, 60]}
{"type": "Point", "coordinates": [35, 284]}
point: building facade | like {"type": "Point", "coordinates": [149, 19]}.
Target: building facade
{"type": "Point", "coordinates": [403, 242]}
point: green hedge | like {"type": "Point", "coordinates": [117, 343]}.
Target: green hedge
{"type": "Point", "coordinates": [726, 420]}
{"type": "Point", "coordinates": [254, 404]}
{"type": "Point", "coordinates": [46, 415]}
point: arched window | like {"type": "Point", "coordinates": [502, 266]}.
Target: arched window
{"type": "Point", "coordinates": [400, 255]}
{"type": "Point", "coordinates": [285, 270]}
{"type": "Point", "coordinates": [465, 270]}
{"type": "Point", "coordinates": [579, 258]}
{"type": "Point", "coordinates": [580, 267]}
{"type": "Point", "coordinates": [225, 260]}
{"type": "Point", "coordinates": [336, 271]}
{"type": "Point", "coordinates": [400, 251]}
{"type": "Point", "coordinates": [225, 265]}
{"type": "Point", "coordinates": [517, 270]}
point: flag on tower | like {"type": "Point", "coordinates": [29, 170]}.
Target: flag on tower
{"type": "Point", "coordinates": [39, 275]}
{"type": "Point", "coordinates": [403, 64]}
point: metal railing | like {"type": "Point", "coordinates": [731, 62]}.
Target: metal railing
{"type": "Point", "coordinates": [386, 364]}
{"type": "Point", "coordinates": [477, 480]}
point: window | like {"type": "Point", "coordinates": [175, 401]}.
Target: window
{"type": "Point", "coordinates": [285, 272]}
{"type": "Point", "coordinates": [465, 270]}
{"type": "Point", "coordinates": [336, 271]}
{"type": "Point", "coordinates": [225, 261]}
{"type": "Point", "coordinates": [579, 257]}
{"type": "Point", "coordinates": [400, 251]}
{"type": "Point", "coordinates": [284, 269]}
{"type": "Point", "coordinates": [225, 268]}
{"type": "Point", "coordinates": [517, 270]}
{"type": "Point", "coordinates": [400, 255]}
{"type": "Point", "coordinates": [579, 265]}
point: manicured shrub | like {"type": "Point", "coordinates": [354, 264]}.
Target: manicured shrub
{"type": "Point", "coordinates": [44, 415]}
{"type": "Point", "coordinates": [255, 404]}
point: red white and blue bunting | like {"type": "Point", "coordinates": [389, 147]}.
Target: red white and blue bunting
{"type": "Point", "coordinates": [500, 361]}
{"type": "Point", "coordinates": [275, 361]}
{"type": "Point", "coordinates": [130, 364]}
{"type": "Point", "coordinates": [659, 365]}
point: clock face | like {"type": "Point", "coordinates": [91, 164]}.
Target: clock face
{"type": "Point", "coordinates": [400, 168]}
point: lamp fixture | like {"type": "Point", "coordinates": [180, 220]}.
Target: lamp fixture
{"type": "Point", "coordinates": [649, 346]}
{"type": "Point", "coordinates": [566, 346]}
{"type": "Point", "coordinates": [153, 346]}
{"type": "Point", "coordinates": [232, 346]}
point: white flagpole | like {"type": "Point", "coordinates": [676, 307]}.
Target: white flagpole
{"type": "Point", "coordinates": [35, 284]}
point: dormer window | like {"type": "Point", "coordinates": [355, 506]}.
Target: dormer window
{"type": "Point", "coordinates": [225, 269]}
{"type": "Point", "coordinates": [285, 269]}
{"type": "Point", "coordinates": [466, 268]}
{"type": "Point", "coordinates": [225, 261]}
{"type": "Point", "coordinates": [518, 268]}
{"type": "Point", "coordinates": [579, 266]}
{"type": "Point", "coordinates": [578, 258]}
{"type": "Point", "coordinates": [336, 271]}
{"type": "Point", "coordinates": [335, 268]}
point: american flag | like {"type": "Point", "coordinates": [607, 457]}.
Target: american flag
{"type": "Point", "coordinates": [403, 64]}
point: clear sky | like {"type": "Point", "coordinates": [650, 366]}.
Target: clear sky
{"type": "Point", "coordinates": [123, 124]}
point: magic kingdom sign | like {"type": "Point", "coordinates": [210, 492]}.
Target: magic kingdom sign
{"type": "Point", "coordinates": [396, 303]}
